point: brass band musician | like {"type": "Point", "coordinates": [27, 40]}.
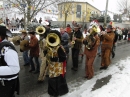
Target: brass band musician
{"type": "Point", "coordinates": [56, 60]}
{"type": "Point", "coordinates": [42, 45]}
{"type": "Point", "coordinates": [91, 43]}
{"type": "Point", "coordinates": [76, 43]}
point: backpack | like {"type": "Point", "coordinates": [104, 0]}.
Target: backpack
{"type": "Point", "coordinates": [5, 44]}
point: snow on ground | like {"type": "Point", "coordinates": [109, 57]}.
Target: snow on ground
{"type": "Point", "coordinates": [117, 86]}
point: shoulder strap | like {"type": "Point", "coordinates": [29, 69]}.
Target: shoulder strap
{"type": "Point", "coordinates": [7, 44]}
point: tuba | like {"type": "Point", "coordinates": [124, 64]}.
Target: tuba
{"type": "Point", "coordinates": [53, 40]}
{"type": "Point", "coordinates": [90, 40]}
{"type": "Point", "coordinates": [40, 30]}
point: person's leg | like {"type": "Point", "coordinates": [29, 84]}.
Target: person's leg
{"type": "Point", "coordinates": [26, 58]}
{"type": "Point", "coordinates": [43, 70]}
{"type": "Point", "coordinates": [75, 59]}
{"type": "Point", "coordinates": [86, 67]}
{"type": "Point", "coordinates": [37, 64]}
{"type": "Point", "coordinates": [73, 51]}
{"type": "Point", "coordinates": [32, 64]}
{"type": "Point", "coordinates": [107, 57]}
{"type": "Point", "coordinates": [113, 53]}
{"type": "Point", "coordinates": [102, 57]}
{"type": "Point", "coordinates": [89, 65]}
{"type": "Point", "coordinates": [7, 90]}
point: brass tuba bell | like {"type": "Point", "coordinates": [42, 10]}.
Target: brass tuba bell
{"type": "Point", "coordinates": [40, 30]}
{"type": "Point", "coordinates": [53, 39]}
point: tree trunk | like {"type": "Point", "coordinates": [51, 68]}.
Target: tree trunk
{"type": "Point", "coordinates": [28, 15]}
{"type": "Point", "coordinates": [65, 19]}
{"type": "Point", "coordinates": [24, 19]}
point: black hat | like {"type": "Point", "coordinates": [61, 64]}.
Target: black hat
{"type": "Point", "coordinates": [4, 31]}
{"type": "Point", "coordinates": [31, 32]}
{"type": "Point", "coordinates": [56, 32]}
{"type": "Point", "coordinates": [109, 26]}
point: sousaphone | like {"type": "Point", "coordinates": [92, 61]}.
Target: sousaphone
{"type": "Point", "coordinates": [40, 30]}
{"type": "Point", "coordinates": [53, 38]}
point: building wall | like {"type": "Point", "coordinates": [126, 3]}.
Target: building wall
{"type": "Point", "coordinates": [74, 14]}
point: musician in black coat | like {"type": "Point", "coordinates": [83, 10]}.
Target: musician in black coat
{"type": "Point", "coordinates": [56, 59]}
{"type": "Point", "coordinates": [76, 37]}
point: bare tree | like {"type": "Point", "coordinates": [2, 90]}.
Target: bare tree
{"type": "Point", "coordinates": [26, 5]}
{"type": "Point", "coordinates": [124, 8]}
{"type": "Point", "coordinates": [66, 8]}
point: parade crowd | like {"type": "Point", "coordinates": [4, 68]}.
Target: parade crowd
{"type": "Point", "coordinates": [53, 49]}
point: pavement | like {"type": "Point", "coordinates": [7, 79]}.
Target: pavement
{"type": "Point", "coordinates": [28, 81]}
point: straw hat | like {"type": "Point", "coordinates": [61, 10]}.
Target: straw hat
{"type": "Point", "coordinates": [23, 31]}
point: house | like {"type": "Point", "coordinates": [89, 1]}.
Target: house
{"type": "Point", "coordinates": [76, 11]}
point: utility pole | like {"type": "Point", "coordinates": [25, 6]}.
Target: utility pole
{"type": "Point", "coordinates": [105, 19]}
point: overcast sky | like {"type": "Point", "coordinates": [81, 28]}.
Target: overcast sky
{"type": "Point", "coordinates": [101, 4]}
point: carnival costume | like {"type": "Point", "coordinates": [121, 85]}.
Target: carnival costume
{"type": "Point", "coordinates": [107, 44]}
{"type": "Point", "coordinates": [56, 60]}
{"type": "Point", "coordinates": [76, 44]}
{"type": "Point", "coordinates": [9, 65]}
{"type": "Point", "coordinates": [91, 43]}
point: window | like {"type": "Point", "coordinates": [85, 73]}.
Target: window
{"type": "Point", "coordinates": [78, 14]}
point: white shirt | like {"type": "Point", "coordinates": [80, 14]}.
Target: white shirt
{"type": "Point", "coordinates": [85, 34]}
{"type": "Point", "coordinates": [11, 58]}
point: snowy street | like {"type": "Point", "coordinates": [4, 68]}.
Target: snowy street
{"type": "Point", "coordinates": [113, 82]}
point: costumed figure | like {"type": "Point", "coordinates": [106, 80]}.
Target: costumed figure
{"type": "Point", "coordinates": [76, 45]}
{"type": "Point", "coordinates": [56, 60]}
{"type": "Point", "coordinates": [43, 31]}
{"type": "Point", "coordinates": [24, 36]}
{"type": "Point", "coordinates": [9, 65]}
{"type": "Point", "coordinates": [91, 43]}
{"type": "Point", "coordinates": [129, 35]}
{"type": "Point", "coordinates": [106, 48]}
{"type": "Point", "coordinates": [114, 42]}
{"type": "Point", "coordinates": [23, 43]}
{"type": "Point", "coordinates": [34, 47]}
